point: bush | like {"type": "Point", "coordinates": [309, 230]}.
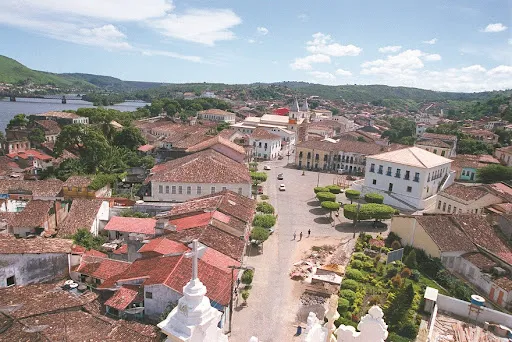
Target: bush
{"type": "Point", "coordinates": [258, 176]}
{"type": "Point", "coordinates": [264, 220]}
{"type": "Point", "coordinates": [396, 245]}
{"type": "Point", "coordinates": [253, 169]}
{"type": "Point", "coordinates": [360, 256]}
{"type": "Point", "coordinates": [343, 305]}
{"type": "Point", "coordinates": [392, 236]}
{"type": "Point", "coordinates": [409, 330]}
{"type": "Point", "coordinates": [335, 189]}
{"type": "Point", "coordinates": [374, 198]}
{"type": "Point", "coordinates": [247, 277]}
{"type": "Point", "coordinates": [264, 197]}
{"type": "Point", "coordinates": [410, 260]}
{"type": "Point", "coordinates": [368, 211]}
{"type": "Point", "coordinates": [320, 189]}
{"type": "Point", "coordinates": [352, 194]}
{"type": "Point", "coordinates": [393, 337]}
{"type": "Point", "coordinates": [350, 284]}
{"type": "Point", "coordinates": [406, 273]}
{"type": "Point", "coordinates": [396, 281]}
{"type": "Point", "coordinates": [326, 196]}
{"type": "Point", "coordinates": [259, 234]}
{"type": "Point", "coordinates": [357, 264]}
{"type": "Point", "coordinates": [351, 273]}
{"type": "Point", "coordinates": [265, 208]}
{"type": "Point", "coordinates": [374, 300]}
{"type": "Point", "coordinates": [245, 295]}
{"type": "Point", "coordinates": [348, 295]}
{"type": "Point", "coordinates": [415, 275]}
{"type": "Point", "coordinates": [331, 206]}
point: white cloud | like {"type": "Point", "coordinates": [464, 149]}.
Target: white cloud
{"type": "Point", "coordinates": [324, 44]}
{"type": "Point", "coordinates": [390, 49]}
{"type": "Point", "coordinates": [510, 41]}
{"type": "Point", "coordinates": [196, 59]}
{"type": "Point", "coordinates": [431, 41]}
{"type": "Point", "coordinates": [262, 30]}
{"type": "Point", "coordinates": [405, 62]}
{"type": "Point", "coordinates": [473, 68]}
{"type": "Point", "coordinates": [304, 63]}
{"type": "Point", "coordinates": [342, 72]}
{"type": "Point", "coordinates": [303, 17]}
{"type": "Point", "coordinates": [492, 28]}
{"type": "Point", "coordinates": [322, 75]}
{"type": "Point", "coordinates": [199, 26]}
{"type": "Point", "coordinates": [251, 41]}
{"type": "Point", "coordinates": [501, 71]}
{"type": "Point", "coordinates": [432, 57]}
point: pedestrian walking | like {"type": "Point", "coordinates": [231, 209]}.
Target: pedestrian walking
{"type": "Point", "coordinates": [309, 232]}
{"type": "Point", "coordinates": [294, 235]}
{"type": "Point", "coordinates": [300, 236]}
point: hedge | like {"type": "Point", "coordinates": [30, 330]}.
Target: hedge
{"type": "Point", "coordinates": [330, 205]}
{"type": "Point", "coordinates": [259, 176]}
{"type": "Point", "coordinates": [320, 189]}
{"type": "Point", "coordinates": [368, 211]}
{"type": "Point", "coordinates": [335, 189]}
{"type": "Point", "coordinates": [247, 277]}
{"type": "Point", "coordinates": [326, 196]}
{"type": "Point", "coordinates": [352, 194]}
{"type": "Point", "coordinates": [350, 284]}
{"type": "Point", "coordinates": [354, 274]}
{"type": "Point", "coordinates": [264, 220]}
{"type": "Point", "coordinates": [374, 198]}
{"type": "Point", "coordinates": [259, 234]}
{"type": "Point", "coordinates": [348, 295]}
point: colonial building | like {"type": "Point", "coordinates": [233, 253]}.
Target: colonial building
{"type": "Point", "coordinates": [50, 128]}
{"type": "Point", "coordinates": [441, 144]}
{"type": "Point", "coordinates": [484, 135]}
{"type": "Point", "coordinates": [217, 115]}
{"type": "Point", "coordinates": [81, 186]}
{"type": "Point", "coordinates": [504, 154]}
{"type": "Point", "coordinates": [63, 118]}
{"type": "Point", "coordinates": [408, 178]}
{"type": "Point", "coordinates": [466, 165]}
{"type": "Point", "coordinates": [265, 145]}
{"type": "Point", "coordinates": [201, 173]}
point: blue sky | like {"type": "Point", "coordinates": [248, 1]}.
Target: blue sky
{"type": "Point", "coordinates": [440, 45]}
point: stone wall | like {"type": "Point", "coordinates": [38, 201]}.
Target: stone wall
{"type": "Point", "coordinates": [33, 268]}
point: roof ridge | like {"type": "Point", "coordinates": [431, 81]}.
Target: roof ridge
{"type": "Point", "coordinates": [174, 268]}
{"type": "Point", "coordinates": [415, 156]}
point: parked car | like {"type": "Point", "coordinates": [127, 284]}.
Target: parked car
{"type": "Point", "coordinates": [282, 187]}
{"type": "Point", "coordinates": [280, 176]}
{"type": "Point", "coordinates": [341, 171]}
{"type": "Point", "coordinates": [266, 167]}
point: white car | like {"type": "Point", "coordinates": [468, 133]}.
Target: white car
{"type": "Point", "coordinates": [282, 187]}
{"type": "Point", "coordinates": [266, 167]}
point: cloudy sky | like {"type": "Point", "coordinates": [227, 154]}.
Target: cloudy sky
{"type": "Point", "coordinates": [442, 45]}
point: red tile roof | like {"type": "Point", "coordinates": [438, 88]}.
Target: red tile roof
{"type": "Point", "coordinates": [207, 166]}
{"type": "Point", "coordinates": [123, 297]}
{"type": "Point", "coordinates": [40, 188]}
{"type": "Point", "coordinates": [215, 112]}
{"type": "Point", "coordinates": [60, 115]}
{"type": "Point", "coordinates": [480, 261]}
{"type": "Point", "coordinates": [101, 268]}
{"type": "Point", "coordinates": [78, 181]}
{"type": "Point", "coordinates": [218, 139]}
{"type": "Point", "coordinates": [261, 133]}
{"type": "Point", "coordinates": [132, 225]}
{"type": "Point", "coordinates": [192, 221]}
{"type": "Point", "coordinates": [446, 234]}
{"type": "Point", "coordinates": [504, 282]}
{"type": "Point", "coordinates": [50, 127]}
{"type": "Point", "coordinates": [35, 246]}
{"type": "Point", "coordinates": [95, 253]}
{"type": "Point", "coordinates": [427, 135]}
{"type": "Point", "coordinates": [163, 246]}
{"type": "Point", "coordinates": [33, 215]}
{"type": "Point", "coordinates": [146, 148]}
{"type": "Point", "coordinates": [219, 260]}
{"type": "Point", "coordinates": [30, 154]}
{"type": "Point", "coordinates": [121, 250]}
{"type": "Point", "coordinates": [433, 142]}
{"type": "Point", "coordinates": [82, 214]}
{"type": "Point", "coordinates": [465, 193]}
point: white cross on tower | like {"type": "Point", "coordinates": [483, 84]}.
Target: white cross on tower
{"type": "Point", "coordinates": [194, 254]}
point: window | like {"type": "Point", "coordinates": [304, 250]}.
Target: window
{"type": "Point", "coordinates": [309, 155]}
{"type": "Point", "coordinates": [439, 205]}
{"type": "Point", "coordinates": [443, 153]}
{"type": "Point", "coordinates": [374, 182]}
{"type": "Point", "coordinates": [380, 169]}
{"type": "Point", "coordinates": [435, 151]}
{"type": "Point", "coordinates": [397, 173]}
{"type": "Point", "coordinates": [372, 167]}
{"type": "Point", "coordinates": [407, 175]}
{"type": "Point", "coordinates": [454, 209]}
{"type": "Point", "coordinates": [317, 156]}
{"type": "Point", "coordinates": [189, 190]}
{"type": "Point", "coordinates": [239, 191]}
{"type": "Point", "coordinates": [300, 154]}
{"type": "Point", "coordinates": [161, 189]}
{"type": "Point", "coordinates": [416, 177]}
{"type": "Point", "coordinates": [388, 172]}
{"type": "Point", "coordinates": [11, 281]}
{"type": "Point", "coordinates": [409, 189]}
{"type": "Point", "coordinates": [149, 295]}
{"type": "Point", "coordinates": [449, 207]}
{"type": "Point", "coordinates": [444, 206]}
{"type": "Point", "coordinates": [180, 189]}
{"type": "Point", "coordinates": [198, 190]}
{"type": "Point", "coordinates": [167, 189]}
{"type": "Point", "coordinates": [212, 190]}
{"type": "Point", "coordinates": [173, 189]}
{"type": "Point", "coordinates": [259, 145]}
{"type": "Point", "coordinates": [224, 188]}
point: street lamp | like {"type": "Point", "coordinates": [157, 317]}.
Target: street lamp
{"type": "Point", "coordinates": [233, 268]}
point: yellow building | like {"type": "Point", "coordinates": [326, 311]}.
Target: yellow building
{"type": "Point", "coordinates": [79, 186]}
{"type": "Point", "coordinates": [435, 146]}
{"type": "Point", "coordinates": [314, 154]}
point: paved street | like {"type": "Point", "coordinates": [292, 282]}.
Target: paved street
{"type": "Point", "coordinates": [271, 306]}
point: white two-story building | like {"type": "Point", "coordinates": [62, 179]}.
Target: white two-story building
{"type": "Point", "coordinates": [409, 178]}
{"type": "Point", "coordinates": [217, 115]}
{"type": "Point", "coordinates": [265, 145]}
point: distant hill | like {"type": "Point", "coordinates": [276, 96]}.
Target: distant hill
{"type": "Point", "coordinates": [112, 83]}
{"type": "Point", "coordinates": [14, 72]}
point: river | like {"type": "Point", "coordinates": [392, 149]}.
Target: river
{"type": "Point", "coordinates": [36, 106]}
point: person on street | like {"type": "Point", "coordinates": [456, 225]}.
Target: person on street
{"type": "Point", "coordinates": [309, 232]}
{"type": "Point", "coordinates": [300, 236]}
{"type": "Point", "coordinates": [294, 235]}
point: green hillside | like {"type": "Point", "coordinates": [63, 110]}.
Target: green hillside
{"type": "Point", "coordinates": [14, 72]}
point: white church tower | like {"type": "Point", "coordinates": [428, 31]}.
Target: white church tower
{"type": "Point", "coordinates": [193, 319]}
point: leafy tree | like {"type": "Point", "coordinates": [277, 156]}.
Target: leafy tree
{"type": "Point", "coordinates": [19, 120]}
{"type": "Point", "coordinates": [247, 277]}
{"type": "Point", "coordinates": [68, 168]}
{"type": "Point", "coordinates": [264, 220]}
{"type": "Point", "coordinates": [129, 137]}
{"type": "Point", "coordinates": [352, 194]}
{"type": "Point", "coordinates": [320, 189]}
{"type": "Point", "coordinates": [472, 146]}
{"type": "Point", "coordinates": [410, 260]}
{"type": "Point", "coordinates": [258, 177]}
{"type": "Point", "coordinates": [374, 198]}
{"type": "Point", "coordinates": [222, 126]}
{"type": "Point", "coordinates": [37, 136]}
{"type": "Point", "coordinates": [402, 131]}
{"type": "Point", "coordinates": [83, 237]}
{"type": "Point", "coordinates": [331, 206]}
{"type": "Point", "coordinates": [368, 211]}
{"type": "Point", "coordinates": [131, 213]}
{"type": "Point", "coordinates": [265, 208]}
{"type": "Point", "coordinates": [334, 189]}
{"type": "Point", "coordinates": [259, 234]}
{"type": "Point", "coordinates": [245, 295]}
{"type": "Point", "coordinates": [494, 173]}
{"type": "Point", "coordinates": [326, 196]}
